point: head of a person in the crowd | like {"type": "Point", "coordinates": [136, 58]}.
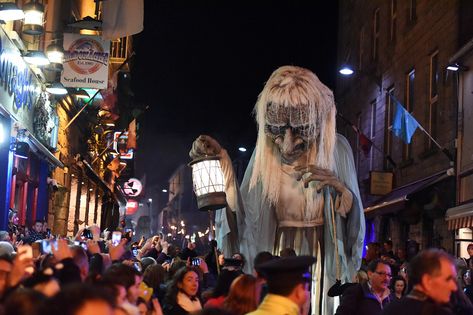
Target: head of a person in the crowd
{"type": "Point", "coordinates": [38, 226]}
{"type": "Point", "coordinates": [154, 276]}
{"type": "Point", "coordinates": [147, 262]}
{"type": "Point", "coordinates": [361, 276]}
{"type": "Point", "coordinates": [244, 295]}
{"type": "Point", "coordinates": [79, 255]}
{"type": "Point", "coordinates": [6, 265]}
{"type": "Point", "coordinates": [126, 277]}
{"type": "Point", "coordinates": [401, 254]}
{"type": "Point", "coordinates": [387, 246]}
{"type": "Point", "coordinates": [372, 252]}
{"type": "Point", "coordinates": [43, 282]}
{"type": "Point", "coordinates": [142, 306]}
{"type": "Point", "coordinates": [239, 256]}
{"type": "Point", "coordinates": [289, 277]}
{"type": "Point", "coordinates": [399, 285]}
{"type": "Point", "coordinates": [81, 299]}
{"type": "Point", "coordinates": [433, 272]}
{"type": "Point", "coordinates": [261, 258]}
{"type": "Point", "coordinates": [4, 236]}
{"type": "Point", "coordinates": [287, 252]}
{"type": "Point", "coordinates": [224, 281]}
{"type": "Point", "coordinates": [185, 280]}
{"type": "Point", "coordinates": [6, 248]}
{"type": "Point", "coordinates": [25, 301]}
{"type": "Point", "coordinates": [469, 249]}
{"type": "Point", "coordinates": [379, 275]}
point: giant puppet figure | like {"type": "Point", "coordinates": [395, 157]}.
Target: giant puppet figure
{"type": "Point", "coordinates": [300, 189]}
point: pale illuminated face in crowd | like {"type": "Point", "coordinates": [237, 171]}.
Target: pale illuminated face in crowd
{"type": "Point", "coordinates": [380, 278]}
{"type": "Point", "coordinates": [190, 283]}
{"type": "Point", "coordinates": [38, 227]}
{"type": "Point", "coordinates": [399, 286]}
{"type": "Point", "coordinates": [470, 250]}
{"type": "Point", "coordinates": [442, 283]}
{"type": "Point", "coordinates": [134, 291]}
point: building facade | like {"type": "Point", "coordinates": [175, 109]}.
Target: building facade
{"type": "Point", "coordinates": [400, 51]}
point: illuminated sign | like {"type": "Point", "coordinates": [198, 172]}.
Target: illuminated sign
{"type": "Point", "coordinates": [132, 187]}
{"type": "Point", "coordinates": [85, 61]}
{"type": "Point", "coordinates": [131, 207]}
{"type": "Point", "coordinates": [19, 86]}
{"type": "Point", "coordinates": [120, 140]}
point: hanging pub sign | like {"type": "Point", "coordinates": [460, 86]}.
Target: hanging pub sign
{"type": "Point", "coordinates": [381, 183]}
{"type": "Point", "coordinates": [85, 61]}
{"type": "Point", "coordinates": [120, 140]}
{"type": "Point", "coordinates": [132, 187]}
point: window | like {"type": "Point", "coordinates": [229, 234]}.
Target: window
{"type": "Point", "coordinates": [372, 131]}
{"type": "Point", "coordinates": [412, 10]}
{"type": "Point", "coordinates": [433, 100]}
{"type": "Point", "coordinates": [409, 101]}
{"type": "Point", "coordinates": [388, 135]}
{"type": "Point", "coordinates": [393, 24]}
{"type": "Point", "coordinates": [358, 125]}
{"type": "Point", "coordinates": [375, 34]}
{"type": "Point", "coordinates": [361, 51]}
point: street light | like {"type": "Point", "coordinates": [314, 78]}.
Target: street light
{"type": "Point", "coordinates": [33, 23]}
{"type": "Point", "coordinates": [209, 183]}
{"type": "Point", "coordinates": [346, 70]}
{"type": "Point", "coordinates": [9, 11]}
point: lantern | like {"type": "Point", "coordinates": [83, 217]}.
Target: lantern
{"type": "Point", "coordinates": [33, 23]}
{"type": "Point", "coordinates": [209, 183]}
{"type": "Point", "coordinates": [55, 54]}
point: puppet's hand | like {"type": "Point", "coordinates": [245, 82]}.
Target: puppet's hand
{"type": "Point", "coordinates": [325, 177]}
{"type": "Point", "coordinates": [204, 146]}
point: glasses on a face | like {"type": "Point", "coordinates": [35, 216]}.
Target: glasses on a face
{"type": "Point", "coordinates": [384, 274]}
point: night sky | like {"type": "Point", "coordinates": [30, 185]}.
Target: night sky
{"type": "Point", "coordinates": [200, 66]}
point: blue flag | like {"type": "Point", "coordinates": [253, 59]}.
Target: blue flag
{"type": "Point", "coordinates": [404, 125]}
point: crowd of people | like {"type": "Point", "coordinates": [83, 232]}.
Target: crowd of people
{"type": "Point", "coordinates": [100, 272]}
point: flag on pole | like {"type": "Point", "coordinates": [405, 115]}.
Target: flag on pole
{"type": "Point", "coordinates": [131, 142]}
{"type": "Point", "coordinates": [404, 124]}
{"type": "Point", "coordinates": [122, 18]}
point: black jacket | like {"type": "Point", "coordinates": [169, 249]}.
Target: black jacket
{"type": "Point", "coordinates": [358, 300]}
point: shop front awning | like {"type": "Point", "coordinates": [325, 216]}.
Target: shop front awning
{"type": "Point", "coordinates": [460, 216]}
{"type": "Point", "coordinates": [396, 199]}
{"type": "Point", "coordinates": [43, 152]}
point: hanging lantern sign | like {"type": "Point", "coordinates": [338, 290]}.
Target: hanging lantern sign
{"type": "Point", "coordinates": [209, 183]}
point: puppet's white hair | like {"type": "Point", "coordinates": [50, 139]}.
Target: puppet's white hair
{"type": "Point", "coordinates": [291, 86]}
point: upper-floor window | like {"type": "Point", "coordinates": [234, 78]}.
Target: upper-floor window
{"type": "Point", "coordinates": [412, 10]}
{"type": "Point", "coordinates": [361, 50]}
{"type": "Point", "coordinates": [393, 24]}
{"type": "Point", "coordinates": [409, 101]}
{"type": "Point", "coordinates": [375, 34]}
{"type": "Point", "coordinates": [433, 99]}
{"type": "Point", "coordinates": [372, 131]}
{"type": "Point", "coordinates": [388, 135]}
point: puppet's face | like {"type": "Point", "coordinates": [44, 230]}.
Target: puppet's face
{"type": "Point", "coordinates": [288, 127]}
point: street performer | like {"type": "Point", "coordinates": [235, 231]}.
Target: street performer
{"type": "Point", "coordinates": [300, 189]}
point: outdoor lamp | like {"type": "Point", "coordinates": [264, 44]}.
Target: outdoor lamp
{"type": "Point", "coordinates": [56, 88]}
{"type": "Point", "coordinates": [55, 54]}
{"type": "Point", "coordinates": [209, 183]}
{"type": "Point", "coordinates": [346, 70]}
{"type": "Point", "coordinates": [33, 23]}
{"type": "Point", "coordinates": [9, 11]}
{"type": "Point", "coordinates": [21, 149]}
{"type": "Point", "coordinates": [36, 58]}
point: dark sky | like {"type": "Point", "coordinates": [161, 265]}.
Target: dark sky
{"type": "Point", "coordinates": [200, 66]}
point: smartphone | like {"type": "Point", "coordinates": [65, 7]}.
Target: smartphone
{"type": "Point", "coordinates": [46, 247]}
{"type": "Point", "coordinates": [116, 238]}
{"type": "Point", "coordinates": [195, 261]}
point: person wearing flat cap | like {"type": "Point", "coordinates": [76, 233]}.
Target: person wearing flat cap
{"type": "Point", "coordinates": [288, 282]}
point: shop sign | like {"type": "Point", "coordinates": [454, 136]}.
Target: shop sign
{"type": "Point", "coordinates": [132, 187]}
{"type": "Point", "coordinates": [19, 86]}
{"type": "Point", "coordinates": [131, 206]}
{"type": "Point", "coordinates": [381, 183]}
{"type": "Point", "coordinates": [85, 61]}
{"type": "Point", "coordinates": [120, 140]}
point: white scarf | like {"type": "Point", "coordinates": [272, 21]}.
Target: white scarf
{"type": "Point", "coordinates": [187, 304]}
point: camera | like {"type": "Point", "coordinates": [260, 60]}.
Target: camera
{"type": "Point", "coordinates": [86, 233]}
